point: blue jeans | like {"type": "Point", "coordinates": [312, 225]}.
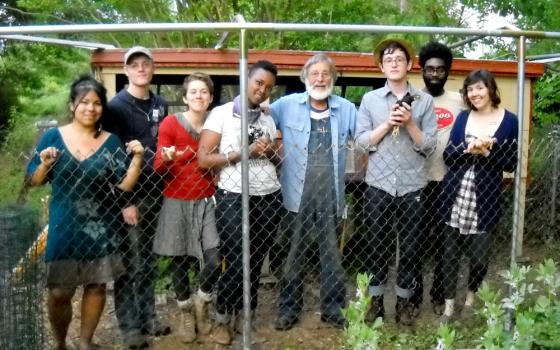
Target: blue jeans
{"type": "Point", "coordinates": [333, 290]}
{"type": "Point", "coordinates": [383, 209]}
{"type": "Point", "coordinates": [264, 213]}
{"type": "Point", "coordinates": [134, 290]}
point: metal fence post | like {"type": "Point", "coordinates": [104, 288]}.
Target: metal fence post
{"type": "Point", "coordinates": [520, 185]}
{"type": "Point", "coordinates": [243, 51]}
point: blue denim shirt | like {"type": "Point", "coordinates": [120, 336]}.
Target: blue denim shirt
{"type": "Point", "coordinates": [292, 117]}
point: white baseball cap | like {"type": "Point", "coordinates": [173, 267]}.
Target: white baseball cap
{"type": "Point", "coordinates": [135, 50]}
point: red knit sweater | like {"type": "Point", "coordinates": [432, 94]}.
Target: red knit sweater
{"type": "Point", "coordinates": [182, 176]}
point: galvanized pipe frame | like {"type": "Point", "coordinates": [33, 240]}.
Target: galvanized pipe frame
{"type": "Point", "coordinates": [268, 27]}
{"type": "Point", "coordinates": [522, 35]}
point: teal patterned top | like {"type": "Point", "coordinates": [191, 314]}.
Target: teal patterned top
{"type": "Point", "coordinates": [84, 215]}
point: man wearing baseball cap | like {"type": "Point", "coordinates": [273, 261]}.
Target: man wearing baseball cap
{"type": "Point", "coordinates": [136, 113]}
{"type": "Point", "coordinates": [399, 136]}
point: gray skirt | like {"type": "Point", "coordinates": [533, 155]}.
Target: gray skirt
{"type": "Point", "coordinates": [72, 273]}
{"type": "Point", "coordinates": [186, 227]}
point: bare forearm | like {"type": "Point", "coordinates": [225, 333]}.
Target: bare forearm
{"type": "Point", "coordinates": [39, 177]}
{"type": "Point", "coordinates": [132, 174]}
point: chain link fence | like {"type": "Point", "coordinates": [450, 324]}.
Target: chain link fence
{"type": "Point", "coordinates": [303, 263]}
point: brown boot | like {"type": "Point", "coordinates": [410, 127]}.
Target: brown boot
{"type": "Point", "coordinates": [186, 331]}
{"type": "Point", "coordinates": [256, 336]}
{"type": "Point", "coordinates": [221, 334]}
{"type": "Point", "coordinates": [404, 312]}
{"type": "Point", "coordinates": [200, 303]}
{"type": "Point", "coordinates": [376, 309]}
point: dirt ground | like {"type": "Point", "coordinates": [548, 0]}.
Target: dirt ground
{"type": "Point", "coordinates": [308, 334]}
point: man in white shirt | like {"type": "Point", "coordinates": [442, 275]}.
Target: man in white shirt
{"type": "Point", "coordinates": [435, 60]}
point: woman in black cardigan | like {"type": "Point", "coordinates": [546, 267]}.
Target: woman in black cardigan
{"type": "Point", "coordinates": [482, 145]}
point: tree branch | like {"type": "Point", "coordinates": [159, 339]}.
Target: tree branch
{"type": "Point", "coordinates": [34, 14]}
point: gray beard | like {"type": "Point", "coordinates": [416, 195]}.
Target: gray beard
{"type": "Point", "coordinates": [318, 95]}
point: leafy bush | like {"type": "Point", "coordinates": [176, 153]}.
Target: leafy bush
{"type": "Point", "coordinates": [547, 101]}
{"type": "Point", "coordinates": [528, 318]}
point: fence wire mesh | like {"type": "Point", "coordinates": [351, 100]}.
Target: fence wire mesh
{"type": "Point", "coordinates": [301, 263]}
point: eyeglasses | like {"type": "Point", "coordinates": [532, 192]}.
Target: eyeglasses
{"type": "Point", "coordinates": [397, 60]}
{"type": "Point", "coordinates": [317, 74]}
{"type": "Point", "coordinates": [440, 70]}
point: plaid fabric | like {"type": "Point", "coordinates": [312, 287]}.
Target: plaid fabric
{"type": "Point", "coordinates": [463, 213]}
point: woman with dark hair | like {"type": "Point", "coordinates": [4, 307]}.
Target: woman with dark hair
{"type": "Point", "coordinates": [87, 169]}
{"type": "Point", "coordinates": [482, 145]}
{"type": "Point", "coordinates": [187, 225]}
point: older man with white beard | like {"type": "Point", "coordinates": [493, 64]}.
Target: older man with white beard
{"type": "Point", "coordinates": [315, 127]}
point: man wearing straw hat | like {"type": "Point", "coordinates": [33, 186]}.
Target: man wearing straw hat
{"type": "Point", "coordinates": [397, 125]}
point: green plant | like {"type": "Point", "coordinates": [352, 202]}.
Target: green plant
{"type": "Point", "coordinates": [528, 318]}
{"type": "Point", "coordinates": [359, 335]}
{"type": "Point", "coordinates": [446, 338]}
{"type": "Point", "coordinates": [163, 281]}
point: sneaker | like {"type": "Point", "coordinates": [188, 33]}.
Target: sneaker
{"type": "Point", "coordinates": [186, 330]}
{"type": "Point", "coordinates": [200, 304]}
{"type": "Point", "coordinates": [134, 340]}
{"type": "Point", "coordinates": [156, 328]}
{"type": "Point", "coordinates": [221, 334]}
{"type": "Point", "coordinates": [404, 312]}
{"type": "Point", "coordinates": [376, 309]}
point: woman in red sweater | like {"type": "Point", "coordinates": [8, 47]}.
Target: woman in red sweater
{"type": "Point", "coordinates": [187, 227]}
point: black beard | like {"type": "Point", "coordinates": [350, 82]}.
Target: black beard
{"type": "Point", "coordinates": [435, 89]}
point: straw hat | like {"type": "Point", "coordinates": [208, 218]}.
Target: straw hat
{"type": "Point", "coordinates": [382, 46]}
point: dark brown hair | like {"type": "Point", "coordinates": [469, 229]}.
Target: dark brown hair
{"type": "Point", "coordinates": [488, 80]}
{"type": "Point", "coordinates": [81, 87]}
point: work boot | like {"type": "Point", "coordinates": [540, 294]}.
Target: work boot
{"type": "Point", "coordinates": [186, 331]}
{"type": "Point", "coordinates": [335, 320]}
{"type": "Point", "coordinates": [438, 307]}
{"type": "Point", "coordinates": [404, 312]}
{"type": "Point", "coordinates": [376, 309]}
{"type": "Point", "coordinates": [156, 327]}
{"type": "Point", "coordinates": [284, 322]}
{"type": "Point", "coordinates": [200, 304]}
{"type": "Point", "coordinates": [256, 336]}
{"type": "Point", "coordinates": [134, 340]}
{"type": "Point", "coordinates": [221, 332]}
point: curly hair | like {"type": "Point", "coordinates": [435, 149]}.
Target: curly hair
{"type": "Point", "coordinates": [263, 64]}
{"type": "Point", "coordinates": [435, 49]}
